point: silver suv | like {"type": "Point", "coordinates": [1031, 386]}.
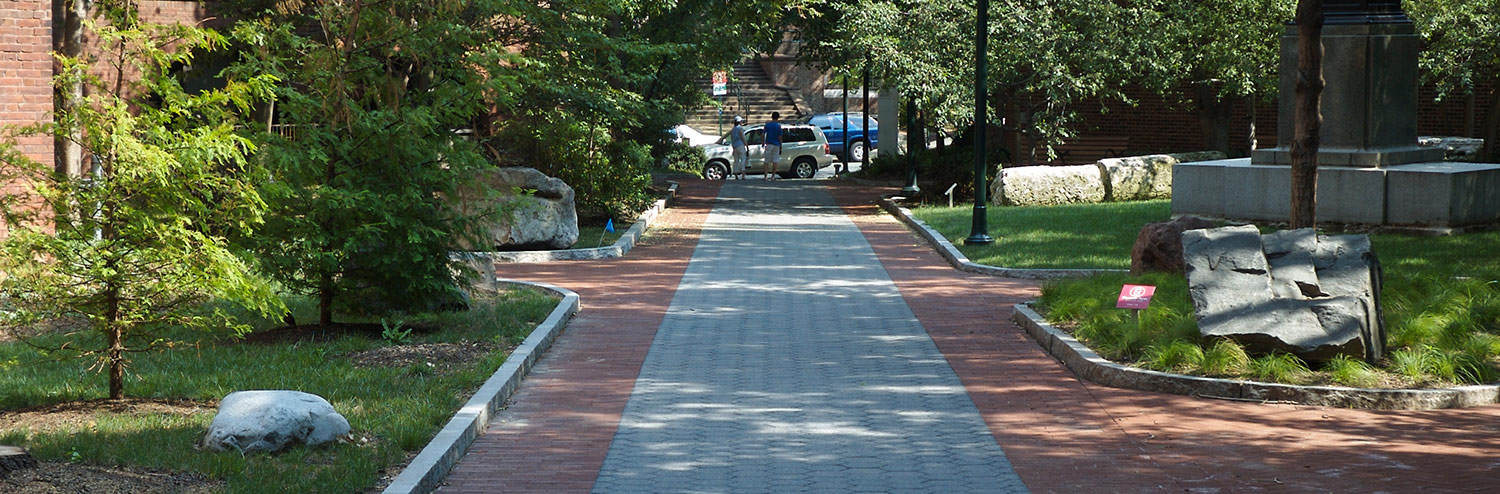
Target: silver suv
{"type": "Point", "coordinates": [804, 150]}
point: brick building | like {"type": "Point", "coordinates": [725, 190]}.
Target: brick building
{"type": "Point", "coordinates": [26, 42]}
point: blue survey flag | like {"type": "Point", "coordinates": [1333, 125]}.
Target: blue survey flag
{"type": "Point", "coordinates": [609, 226]}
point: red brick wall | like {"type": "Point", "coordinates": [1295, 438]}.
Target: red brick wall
{"type": "Point", "coordinates": [26, 69]}
{"type": "Point", "coordinates": [1155, 125]}
{"type": "Point", "coordinates": [152, 11]}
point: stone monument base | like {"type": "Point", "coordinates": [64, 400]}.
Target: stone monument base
{"type": "Point", "coordinates": [1424, 195]}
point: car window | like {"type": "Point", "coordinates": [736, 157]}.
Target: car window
{"type": "Point", "coordinates": [753, 137]}
{"type": "Point", "coordinates": [799, 134]}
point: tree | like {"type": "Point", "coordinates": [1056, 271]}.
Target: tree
{"type": "Point", "coordinates": [1221, 51]}
{"type": "Point", "coordinates": [372, 100]}
{"type": "Point", "coordinates": [139, 245]}
{"type": "Point", "coordinates": [1461, 53]}
{"type": "Point", "coordinates": [1052, 55]}
{"type": "Point", "coordinates": [596, 83]}
{"type": "Point", "coordinates": [1308, 118]}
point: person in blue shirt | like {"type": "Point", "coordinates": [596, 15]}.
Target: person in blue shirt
{"type": "Point", "coordinates": [741, 156]}
{"type": "Point", "coordinates": [773, 145]}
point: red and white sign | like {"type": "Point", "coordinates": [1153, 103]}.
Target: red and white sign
{"type": "Point", "coordinates": [721, 83]}
{"type": "Point", "coordinates": [1135, 296]}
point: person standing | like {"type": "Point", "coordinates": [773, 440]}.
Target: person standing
{"type": "Point", "coordinates": [773, 145]}
{"type": "Point", "coordinates": [741, 156]}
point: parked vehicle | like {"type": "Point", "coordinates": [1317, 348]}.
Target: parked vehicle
{"type": "Point", "coordinates": [804, 150]}
{"type": "Point", "coordinates": [860, 140]}
{"type": "Point", "coordinates": [690, 136]}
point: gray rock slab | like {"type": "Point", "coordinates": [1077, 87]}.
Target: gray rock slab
{"type": "Point", "coordinates": [1294, 275]}
{"type": "Point", "coordinates": [1226, 270]}
{"type": "Point", "coordinates": [1269, 293]}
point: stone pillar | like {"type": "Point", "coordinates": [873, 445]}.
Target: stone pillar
{"type": "Point", "coordinates": [890, 113]}
{"type": "Point", "coordinates": [1369, 103]}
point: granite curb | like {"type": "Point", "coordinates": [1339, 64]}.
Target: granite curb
{"type": "Point", "coordinates": [618, 249]}
{"type": "Point", "coordinates": [432, 464]}
{"type": "Point", "coordinates": [962, 262]}
{"type": "Point", "coordinates": [1090, 366]}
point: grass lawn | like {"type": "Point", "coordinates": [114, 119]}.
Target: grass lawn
{"type": "Point", "coordinates": [591, 236]}
{"type": "Point", "coordinates": [1441, 298]}
{"type": "Point", "coordinates": [1066, 236]}
{"type": "Point", "coordinates": [393, 409]}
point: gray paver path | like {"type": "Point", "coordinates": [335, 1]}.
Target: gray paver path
{"type": "Point", "coordinates": [788, 362]}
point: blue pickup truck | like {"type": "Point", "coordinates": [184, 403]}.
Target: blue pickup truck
{"type": "Point", "coordinates": [860, 140]}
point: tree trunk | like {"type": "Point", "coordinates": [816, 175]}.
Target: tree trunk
{"type": "Point", "coordinates": [1491, 151]}
{"type": "Point", "coordinates": [1307, 119]}
{"type": "Point", "coordinates": [1213, 117]}
{"type": "Point", "coordinates": [116, 350]}
{"type": "Point", "coordinates": [13, 459]}
{"type": "Point", "coordinates": [67, 40]}
{"type": "Point", "coordinates": [1015, 140]}
{"type": "Point", "coordinates": [325, 300]}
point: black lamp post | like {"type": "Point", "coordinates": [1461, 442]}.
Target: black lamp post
{"type": "Point", "coordinates": [979, 234]}
{"type": "Point", "coordinates": [913, 140]}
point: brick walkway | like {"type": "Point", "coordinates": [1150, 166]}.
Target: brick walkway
{"type": "Point", "coordinates": [1060, 435]}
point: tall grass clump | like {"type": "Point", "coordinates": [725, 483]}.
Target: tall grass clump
{"type": "Point", "coordinates": [1278, 367]}
{"type": "Point", "coordinates": [1177, 356]}
{"type": "Point", "coordinates": [1351, 372]}
{"type": "Point", "coordinates": [1225, 358]}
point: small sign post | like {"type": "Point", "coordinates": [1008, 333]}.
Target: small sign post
{"type": "Point", "coordinates": [721, 83]}
{"type": "Point", "coordinates": [1135, 298]}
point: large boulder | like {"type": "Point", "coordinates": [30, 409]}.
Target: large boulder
{"type": "Point", "coordinates": [1292, 291]}
{"type": "Point", "coordinates": [271, 420]}
{"type": "Point", "coordinates": [1045, 185]}
{"type": "Point", "coordinates": [1159, 245]}
{"type": "Point", "coordinates": [519, 209]}
{"type": "Point", "coordinates": [1137, 177]}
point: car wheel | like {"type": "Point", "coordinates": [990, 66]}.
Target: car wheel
{"type": "Point", "coordinates": [805, 168]}
{"type": "Point", "coordinates": [716, 170]}
{"type": "Point", "coordinates": [856, 151]}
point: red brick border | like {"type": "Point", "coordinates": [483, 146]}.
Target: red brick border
{"type": "Point", "coordinates": [1064, 435]}
{"type": "Point", "coordinates": [553, 436]}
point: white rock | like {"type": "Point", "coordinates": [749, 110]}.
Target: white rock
{"type": "Point", "coordinates": [271, 420]}
{"type": "Point", "coordinates": [1041, 185]}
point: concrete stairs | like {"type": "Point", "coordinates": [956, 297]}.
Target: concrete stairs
{"type": "Point", "coordinates": [751, 95]}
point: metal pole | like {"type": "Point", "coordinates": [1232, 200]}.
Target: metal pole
{"type": "Point", "coordinates": [864, 125]}
{"type": "Point", "coordinates": [912, 145]}
{"type": "Point", "coordinates": [845, 159]}
{"type": "Point", "coordinates": [979, 234]}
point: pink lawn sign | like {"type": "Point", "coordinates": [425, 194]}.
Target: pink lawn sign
{"type": "Point", "coordinates": [1135, 296]}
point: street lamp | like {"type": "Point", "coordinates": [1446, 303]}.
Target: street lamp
{"type": "Point", "coordinates": [913, 139]}
{"type": "Point", "coordinates": [979, 234]}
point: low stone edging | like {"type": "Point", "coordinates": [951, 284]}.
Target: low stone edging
{"type": "Point", "coordinates": [618, 249]}
{"type": "Point", "coordinates": [432, 465]}
{"type": "Point", "coordinates": [962, 262]}
{"type": "Point", "coordinates": [1090, 366]}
